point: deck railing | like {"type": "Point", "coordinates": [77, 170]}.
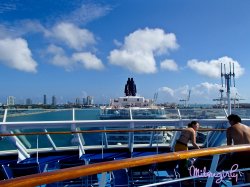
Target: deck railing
{"type": "Point", "coordinates": [80, 171]}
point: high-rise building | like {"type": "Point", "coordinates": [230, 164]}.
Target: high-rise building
{"type": "Point", "coordinates": [90, 100]}
{"type": "Point", "coordinates": [10, 101]}
{"type": "Point", "coordinates": [84, 101]}
{"type": "Point", "coordinates": [78, 101]}
{"type": "Point", "coordinates": [54, 100]}
{"type": "Point", "coordinates": [28, 101]}
{"type": "Point", "coordinates": [44, 99]}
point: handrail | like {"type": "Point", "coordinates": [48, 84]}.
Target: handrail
{"type": "Point", "coordinates": [108, 131]}
{"type": "Point", "coordinates": [85, 170]}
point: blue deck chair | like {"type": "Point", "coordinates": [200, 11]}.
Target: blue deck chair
{"type": "Point", "coordinates": [68, 163]}
{"type": "Point", "coordinates": [121, 178]}
{"type": "Point", "coordinates": [22, 169]}
{"type": "Point", "coordinates": [3, 173]}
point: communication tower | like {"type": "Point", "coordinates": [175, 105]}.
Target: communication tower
{"type": "Point", "coordinates": [227, 83]}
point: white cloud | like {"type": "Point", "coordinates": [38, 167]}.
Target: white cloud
{"type": "Point", "coordinates": [200, 93]}
{"type": "Point", "coordinates": [53, 49]}
{"type": "Point", "coordinates": [16, 54]}
{"type": "Point", "coordinates": [4, 31]}
{"type": "Point", "coordinates": [137, 61]}
{"type": "Point", "coordinates": [86, 13]}
{"type": "Point", "coordinates": [59, 58]}
{"type": "Point", "coordinates": [212, 68]}
{"type": "Point", "coordinates": [169, 64]}
{"type": "Point", "coordinates": [167, 90]}
{"type": "Point", "coordinates": [26, 26]}
{"type": "Point", "coordinates": [206, 90]}
{"type": "Point", "coordinates": [73, 36]}
{"type": "Point", "coordinates": [88, 60]}
{"type": "Point", "coordinates": [22, 28]}
{"type": "Point", "coordinates": [138, 51]}
{"type": "Point", "coordinates": [7, 6]}
{"type": "Point", "coordinates": [117, 43]}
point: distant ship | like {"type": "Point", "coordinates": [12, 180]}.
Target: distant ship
{"type": "Point", "coordinates": [132, 106]}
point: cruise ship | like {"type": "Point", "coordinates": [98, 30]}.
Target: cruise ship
{"type": "Point", "coordinates": [132, 106]}
{"type": "Point", "coordinates": [74, 147]}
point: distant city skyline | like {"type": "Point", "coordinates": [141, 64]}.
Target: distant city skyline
{"type": "Point", "coordinates": [53, 100]}
{"type": "Point", "coordinates": [81, 48]}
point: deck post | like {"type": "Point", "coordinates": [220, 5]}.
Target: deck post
{"type": "Point", "coordinates": [213, 168]}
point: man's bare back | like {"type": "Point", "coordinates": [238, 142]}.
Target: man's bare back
{"type": "Point", "coordinates": [238, 134]}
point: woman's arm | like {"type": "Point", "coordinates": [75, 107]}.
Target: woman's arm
{"type": "Point", "coordinates": [193, 140]}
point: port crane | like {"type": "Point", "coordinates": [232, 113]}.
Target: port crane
{"type": "Point", "coordinates": [187, 99]}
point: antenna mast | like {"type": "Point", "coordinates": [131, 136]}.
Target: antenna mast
{"type": "Point", "coordinates": [228, 82]}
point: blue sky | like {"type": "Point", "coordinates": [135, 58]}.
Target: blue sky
{"type": "Point", "coordinates": [77, 48]}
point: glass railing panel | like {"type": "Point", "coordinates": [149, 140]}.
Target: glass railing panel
{"type": "Point", "coordinates": [172, 113]}
{"type": "Point", "coordinates": [114, 138]}
{"type": "Point", "coordinates": [148, 113]}
{"type": "Point", "coordinates": [202, 113]}
{"type": "Point", "coordinates": [162, 137]}
{"type": "Point", "coordinates": [30, 141]}
{"type": "Point", "coordinates": [20, 115]}
{"type": "Point", "coordinates": [114, 114]}
{"type": "Point", "coordinates": [63, 140]}
{"type": "Point", "coordinates": [91, 139]}
{"type": "Point", "coordinates": [6, 144]}
{"type": "Point", "coordinates": [242, 112]}
{"type": "Point", "coordinates": [117, 138]}
{"type": "Point", "coordinates": [1, 114]}
{"type": "Point", "coordinates": [87, 114]}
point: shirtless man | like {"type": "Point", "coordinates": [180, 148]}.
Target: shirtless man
{"type": "Point", "coordinates": [188, 134]}
{"type": "Point", "coordinates": [237, 134]}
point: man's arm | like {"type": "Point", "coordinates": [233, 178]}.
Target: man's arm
{"type": "Point", "coordinates": [229, 137]}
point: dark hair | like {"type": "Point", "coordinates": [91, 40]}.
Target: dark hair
{"type": "Point", "coordinates": [234, 117]}
{"type": "Point", "coordinates": [192, 123]}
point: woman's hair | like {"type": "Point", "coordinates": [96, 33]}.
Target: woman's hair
{"type": "Point", "coordinates": [192, 123]}
{"type": "Point", "coordinates": [235, 118]}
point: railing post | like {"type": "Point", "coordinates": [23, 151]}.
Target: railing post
{"type": "Point", "coordinates": [103, 179]}
{"type": "Point", "coordinates": [151, 138]}
{"type": "Point", "coordinates": [3, 126]}
{"type": "Point", "coordinates": [5, 115]}
{"type": "Point", "coordinates": [79, 139]}
{"type": "Point", "coordinates": [21, 150]}
{"type": "Point", "coordinates": [213, 167]}
{"type": "Point", "coordinates": [105, 138]}
{"type": "Point", "coordinates": [50, 140]}
{"type": "Point", "coordinates": [131, 137]}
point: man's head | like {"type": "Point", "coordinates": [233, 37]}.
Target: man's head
{"type": "Point", "coordinates": [233, 119]}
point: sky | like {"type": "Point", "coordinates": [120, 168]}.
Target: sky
{"type": "Point", "coordinates": [78, 48]}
